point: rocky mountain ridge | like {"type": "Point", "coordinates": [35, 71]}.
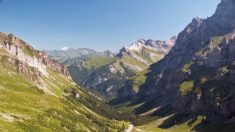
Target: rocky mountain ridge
{"type": "Point", "coordinates": [157, 45]}
{"type": "Point", "coordinates": [196, 76]}
{"type": "Point", "coordinates": [27, 55]}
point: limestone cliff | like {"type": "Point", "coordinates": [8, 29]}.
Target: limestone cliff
{"type": "Point", "coordinates": [27, 55]}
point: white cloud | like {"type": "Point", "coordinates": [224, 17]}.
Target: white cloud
{"type": "Point", "coordinates": [65, 48]}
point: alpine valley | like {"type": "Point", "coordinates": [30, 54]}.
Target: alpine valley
{"type": "Point", "coordinates": [104, 73]}
{"type": "Point", "coordinates": [183, 84]}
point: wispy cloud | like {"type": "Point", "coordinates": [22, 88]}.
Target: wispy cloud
{"type": "Point", "coordinates": [65, 48]}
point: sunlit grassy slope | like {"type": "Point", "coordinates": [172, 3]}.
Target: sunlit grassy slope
{"type": "Point", "coordinates": [24, 107]}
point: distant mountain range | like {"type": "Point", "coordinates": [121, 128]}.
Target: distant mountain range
{"type": "Point", "coordinates": [104, 73]}
{"type": "Point", "coordinates": [63, 55]}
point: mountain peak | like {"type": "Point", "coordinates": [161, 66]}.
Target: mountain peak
{"type": "Point", "coordinates": [174, 37]}
{"type": "Point", "coordinates": [151, 44]}
{"type": "Point", "coordinates": [108, 53]}
{"type": "Point", "coordinates": [141, 41]}
{"type": "Point", "coordinates": [197, 21]}
{"type": "Point", "coordinates": [123, 50]}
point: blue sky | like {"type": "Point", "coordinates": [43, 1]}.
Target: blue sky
{"type": "Point", "coordinates": [98, 24]}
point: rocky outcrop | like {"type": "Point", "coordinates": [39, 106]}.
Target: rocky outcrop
{"type": "Point", "coordinates": [30, 57]}
{"type": "Point", "coordinates": [22, 67]}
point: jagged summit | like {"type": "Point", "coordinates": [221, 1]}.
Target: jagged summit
{"type": "Point", "coordinates": [196, 22]}
{"type": "Point", "coordinates": [173, 38]}
{"type": "Point", "coordinates": [157, 45]}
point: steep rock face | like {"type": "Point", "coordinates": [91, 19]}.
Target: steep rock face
{"type": "Point", "coordinates": [196, 74]}
{"type": "Point", "coordinates": [29, 56]}
{"type": "Point", "coordinates": [22, 67]}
